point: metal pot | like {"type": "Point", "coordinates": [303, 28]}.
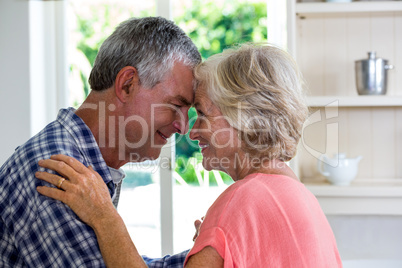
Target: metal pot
{"type": "Point", "coordinates": [371, 75]}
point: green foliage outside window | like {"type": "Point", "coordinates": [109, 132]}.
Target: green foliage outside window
{"type": "Point", "coordinates": [215, 25]}
{"type": "Point", "coordinates": [92, 24]}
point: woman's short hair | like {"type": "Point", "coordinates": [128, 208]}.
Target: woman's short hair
{"type": "Point", "coordinates": [150, 44]}
{"type": "Point", "coordinates": [258, 88]}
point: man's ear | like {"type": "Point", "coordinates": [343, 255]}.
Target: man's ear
{"type": "Point", "coordinates": [126, 82]}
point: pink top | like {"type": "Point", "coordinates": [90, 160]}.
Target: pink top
{"type": "Point", "coordinates": [268, 221]}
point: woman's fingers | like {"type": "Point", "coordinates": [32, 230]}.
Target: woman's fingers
{"type": "Point", "coordinates": [85, 192]}
{"type": "Point", "coordinates": [67, 166]}
{"type": "Point", "coordinates": [60, 167]}
{"type": "Point", "coordinates": [72, 162]}
{"type": "Point", "coordinates": [52, 193]}
{"type": "Point", "coordinates": [54, 179]}
{"type": "Point", "coordinates": [197, 225]}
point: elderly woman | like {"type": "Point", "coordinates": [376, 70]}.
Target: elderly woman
{"type": "Point", "coordinates": [250, 116]}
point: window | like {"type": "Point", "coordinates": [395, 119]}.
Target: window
{"type": "Point", "coordinates": [213, 26]}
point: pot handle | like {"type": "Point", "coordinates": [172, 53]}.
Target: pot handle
{"type": "Point", "coordinates": [389, 67]}
{"type": "Point", "coordinates": [319, 166]}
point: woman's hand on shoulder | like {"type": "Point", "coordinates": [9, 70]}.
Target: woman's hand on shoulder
{"type": "Point", "coordinates": [80, 187]}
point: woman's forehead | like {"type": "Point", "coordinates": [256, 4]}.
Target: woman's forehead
{"type": "Point", "coordinates": [200, 91]}
{"type": "Point", "coordinates": [202, 101]}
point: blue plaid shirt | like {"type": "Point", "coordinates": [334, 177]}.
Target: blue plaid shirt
{"type": "Point", "coordinates": [36, 231]}
{"type": "Point", "coordinates": [174, 261]}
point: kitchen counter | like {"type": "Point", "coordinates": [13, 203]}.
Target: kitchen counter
{"type": "Point", "coordinates": [361, 197]}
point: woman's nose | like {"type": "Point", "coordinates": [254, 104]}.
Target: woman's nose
{"type": "Point", "coordinates": [194, 131]}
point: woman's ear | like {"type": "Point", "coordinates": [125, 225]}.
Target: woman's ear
{"type": "Point", "coordinates": [126, 82]}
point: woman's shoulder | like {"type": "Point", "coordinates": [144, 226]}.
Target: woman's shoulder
{"type": "Point", "coordinates": [266, 183]}
{"type": "Point", "coordinates": [261, 191]}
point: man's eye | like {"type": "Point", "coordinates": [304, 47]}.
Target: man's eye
{"type": "Point", "coordinates": [200, 114]}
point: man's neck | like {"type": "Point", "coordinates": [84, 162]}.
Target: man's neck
{"type": "Point", "coordinates": [96, 113]}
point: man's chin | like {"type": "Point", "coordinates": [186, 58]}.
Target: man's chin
{"type": "Point", "coordinates": [155, 154]}
{"type": "Point", "coordinates": [148, 156]}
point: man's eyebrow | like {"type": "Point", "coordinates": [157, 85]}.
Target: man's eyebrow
{"type": "Point", "coordinates": [184, 100]}
{"type": "Point", "coordinates": [196, 105]}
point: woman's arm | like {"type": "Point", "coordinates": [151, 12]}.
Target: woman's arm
{"type": "Point", "coordinates": [87, 195]}
{"type": "Point", "coordinates": [115, 243]}
{"type": "Point", "coordinates": [207, 257]}
{"type": "Point", "coordinates": [84, 191]}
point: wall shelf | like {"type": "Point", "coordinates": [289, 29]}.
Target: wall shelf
{"type": "Point", "coordinates": [360, 198]}
{"type": "Point", "coordinates": [360, 187]}
{"type": "Point", "coordinates": [326, 38]}
{"type": "Point", "coordinates": [353, 7]}
{"type": "Point", "coordinates": [355, 101]}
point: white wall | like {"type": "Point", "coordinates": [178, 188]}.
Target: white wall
{"type": "Point", "coordinates": [367, 237]}
{"type": "Point", "coordinates": [33, 69]}
{"type": "Point", "coordinates": [14, 76]}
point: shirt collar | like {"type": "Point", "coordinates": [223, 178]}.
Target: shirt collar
{"type": "Point", "coordinates": [117, 174]}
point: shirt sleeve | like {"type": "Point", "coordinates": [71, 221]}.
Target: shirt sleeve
{"type": "Point", "coordinates": [45, 232]}
{"type": "Point", "coordinates": [37, 231]}
{"type": "Point", "coordinates": [169, 261]}
{"type": "Point", "coordinates": [214, 237]}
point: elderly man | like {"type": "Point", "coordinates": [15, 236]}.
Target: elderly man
{"type": "Point", "coordinates": [142, 88]}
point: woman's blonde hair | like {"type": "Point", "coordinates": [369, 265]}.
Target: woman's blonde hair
{"type": "Point", "coordinates": [258, 88]}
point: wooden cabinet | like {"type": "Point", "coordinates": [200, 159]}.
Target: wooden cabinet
{"type": "Point", "coordinates": [326, 39]}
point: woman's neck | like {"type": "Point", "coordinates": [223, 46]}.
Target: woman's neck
{"type": "Point", "coordinates": [266, 167]}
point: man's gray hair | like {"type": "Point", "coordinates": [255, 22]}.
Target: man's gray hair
{"type": "Point", "coordinates": [152, 45]}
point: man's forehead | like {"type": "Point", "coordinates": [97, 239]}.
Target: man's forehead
{"type": "Point", "coordinates": [183, 78]}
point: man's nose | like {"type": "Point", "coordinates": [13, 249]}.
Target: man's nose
{"type": "Point", "coordinates": [181, 122]}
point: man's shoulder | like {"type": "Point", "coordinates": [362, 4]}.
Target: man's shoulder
{"type": "Point", "coordinates": [53, 139]}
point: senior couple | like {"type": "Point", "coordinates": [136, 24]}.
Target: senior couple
{"type": "Point", "coordinates": [146, 75]}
